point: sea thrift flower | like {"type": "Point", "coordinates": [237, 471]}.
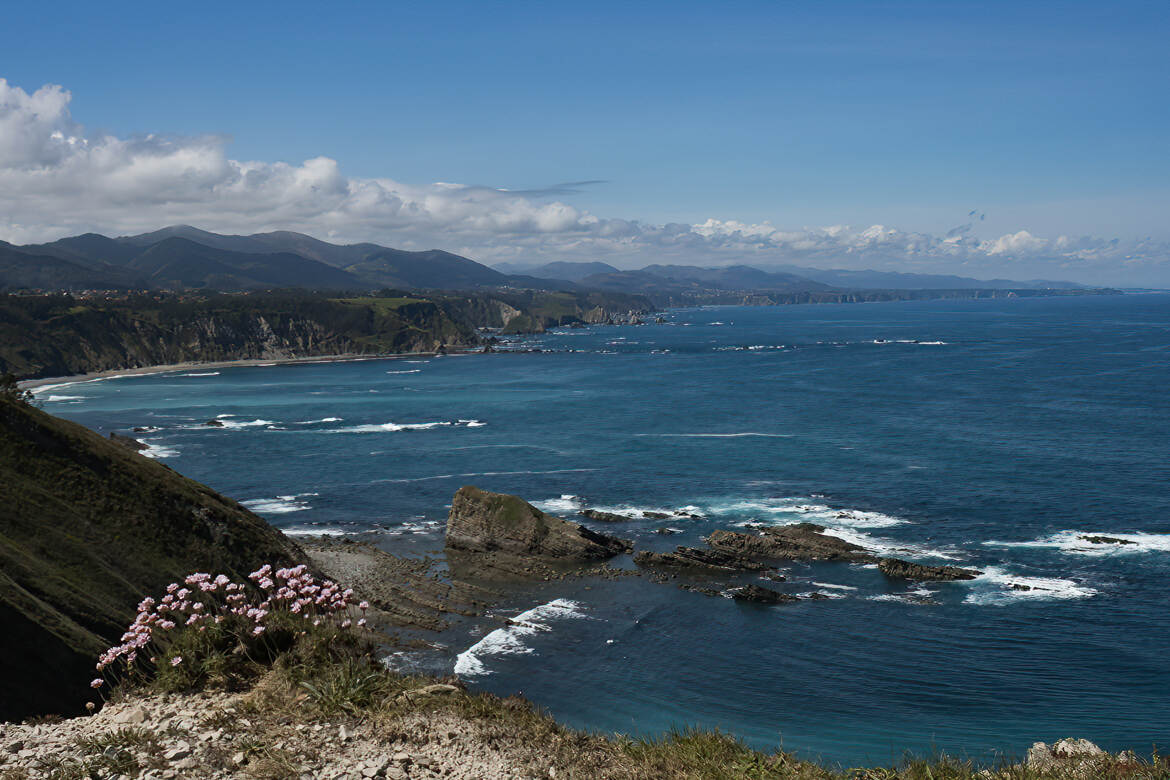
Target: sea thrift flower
{"type": "Point", "coordinates": [97, 682]}
{"type": "Point", "coordinates": [178, 659]}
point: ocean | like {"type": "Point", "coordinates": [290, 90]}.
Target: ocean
{"type": "Point", "coordinates": [991, 434]}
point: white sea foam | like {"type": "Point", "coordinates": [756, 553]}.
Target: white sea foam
{"type": "Point", "coordinates": [67, 398]}
{"type": "Point", "coordinates": [280, 505]}
{"type": "Point", "coordinates": [158, 451]}
{"type": "Point", "coordinates": [322, 420]}
{"type": "Point", "coordinates": [201, 373]}
{"type": "Point", "coordinates": [995, 587]}
{"type": "Point", "coordinates": [1074, 543]}
{"type": "Point", "coordinates": [833, 586]}
{"type": "Point", "coordinates": [916, 596]}
{"type": "Point", "coordinates": [316, 531]}
{"type": "Point", "coordinates": [510, 639]}
{"type": "Point", "coordinates": [419, 526]}
{"type": "Point", "coordinates": [565, 504]}
{"type": "Point", "coordinates": [393, 427]}
{"type": "Point", "coordinates": [932, 343]}
{"type": "Point", "coordinates": [800, 508]}
{"type": "Point", "coordinates": [822, 594]}
{"type": "Point", "coordinates": [891, 547]}
{"type": "Point", "coordinates": [230, 423]}
{"type": "Point", "coordinates": [406, 371]}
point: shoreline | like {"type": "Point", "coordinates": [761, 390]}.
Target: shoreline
{"type": "Point", "coordinates": [93, 376]}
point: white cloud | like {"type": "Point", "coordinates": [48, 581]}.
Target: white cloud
{"type": "Point", "coordinates": [55, 180]}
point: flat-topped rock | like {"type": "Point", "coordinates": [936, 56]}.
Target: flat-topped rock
{"type": "Point", "coordinates": [800, 542]}
{"type": "Point", "coordinates": [905, 570]}
{"type": "Point", "coordinates": [605, 517]}
{"type": "Point", "coordinates": [761, 595]}
{"type": "Point", "coordinates": [699, 558]}
{"type": "Point", "coordinates": [481, 521]}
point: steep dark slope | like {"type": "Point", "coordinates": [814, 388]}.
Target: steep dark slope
{"type": "Point", "coordinates": [87, 527]}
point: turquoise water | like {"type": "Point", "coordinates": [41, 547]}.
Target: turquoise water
{"type": "Point", "coordinates": [983, 433]}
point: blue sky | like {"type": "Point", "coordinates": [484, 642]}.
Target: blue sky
{"type": "Point", "coordinates": [1049, 118]}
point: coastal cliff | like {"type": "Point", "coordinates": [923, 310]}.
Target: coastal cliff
{"type": "Point", "coordinates": [62, 335]}
{"type": "Point", "coordinates": [87, 527]}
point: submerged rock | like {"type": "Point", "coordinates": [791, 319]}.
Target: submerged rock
{"type": "Point", "coordinates": [1105, 540]}
{"type": "Point", "coordinates": [481, 521]}
{"type": "Point", "coordinates": [605, 517]}
{"type": "Point", "coordinates": [762, 595]}
{"type": "Point", "coordinates": [895, 567]}
{"type": "Point", "coordinates": [800, 541]}
{"type": "Point", "coordinates": [656, 515]}
{"type": "Point", "coordinates": [698, 558]}
{"type": "Point", "coordinates": [214, 423]}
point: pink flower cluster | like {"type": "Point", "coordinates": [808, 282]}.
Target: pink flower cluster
{"type": "Point", "coordinates": [201, 599]}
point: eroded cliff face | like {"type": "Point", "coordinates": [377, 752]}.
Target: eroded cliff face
{"type": "Point", "coordinates": [73, 337]}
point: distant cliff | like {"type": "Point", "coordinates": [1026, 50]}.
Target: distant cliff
{"type": "Point", "coordinates": [60, 335]}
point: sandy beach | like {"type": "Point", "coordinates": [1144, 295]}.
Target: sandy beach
{"type": "Point", "coordinates": [46, 382]}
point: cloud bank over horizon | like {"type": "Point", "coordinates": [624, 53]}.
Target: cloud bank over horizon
{"type": "Point", "coordinates": [57, 179]}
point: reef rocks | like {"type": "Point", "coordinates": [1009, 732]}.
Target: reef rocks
{"type": "Point", "coordinates": [905, 570]}
{"type": "Point", "coordinates": [604, 517]}
{"type": "Point", "coordinates": [698, 558]}
{"type": "Point", "coordinates": [214, 423]}
{"type": "Point", "coordinates": [762, 595]}
{"type": "Point", "coordinates": [1105, 540]}
{"type": "Point", "coordinates": [800, 542]}
{"type": "Point", "coordinates": [486, 522]}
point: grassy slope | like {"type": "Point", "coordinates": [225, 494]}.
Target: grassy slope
{"type": "Point", "coordinates": [87, 527]}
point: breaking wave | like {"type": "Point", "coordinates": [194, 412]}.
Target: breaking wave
{"type": "Point", "coordinates": [998, 587]}
{"type": "Point", "coordinates": [1097, 543]}
{"type": "Point", "coordinates": [280, 505]}
{"type": "Point", "coordinates": [393, 427]}
{"type": "Point", "coordinates": [510, 639]}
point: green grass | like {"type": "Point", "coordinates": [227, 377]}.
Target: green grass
{"type": "Point", "coordinates": [381, 305]}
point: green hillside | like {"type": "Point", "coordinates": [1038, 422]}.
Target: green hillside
{"type": "Point", "coordinates": [87, 526]}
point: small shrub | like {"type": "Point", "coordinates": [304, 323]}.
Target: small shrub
{"type": "Point", "coordinates": [345, 687]}
{"type": "Point", "coordinates": [211, 630]}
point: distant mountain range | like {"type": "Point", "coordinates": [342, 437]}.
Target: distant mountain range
{"type": "Point", "coordinates": [182, 257]}
{"type": "Point", "coordinates": [784, 278]}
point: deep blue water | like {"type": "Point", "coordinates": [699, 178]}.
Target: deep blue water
{"type": "Point", "coordinates": [1032, 422]}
